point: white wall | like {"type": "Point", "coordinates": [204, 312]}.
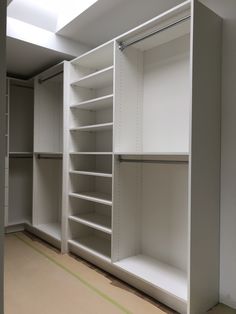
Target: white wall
{"type": "Point", "coordinates": [2, 139]}
{"type": "Point", "coordinates": [227, 9]}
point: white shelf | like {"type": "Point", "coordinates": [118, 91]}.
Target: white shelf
{"type": "Point", "coordinates": [94, 127]}
{"type": "Point", "coordinates": [96, 197]}
{"type": "Point", "coordinates": [51, 229]}
{"type": "Point", "coordinates": [94, 245]}
{"type": "Point", "coordinates": [161, 275]}
{"type": "Point", "coordinates": [95, 104]}
{"type": "Point", "coordinates": [91, 153]}
{"type": "Point", "coordinates": [92, 173]}
{"type": "Point", "coordinates": [98, 79]}
{"type": "Point", "coordinates": [99, 57]}
{"type": "Point", "coordinates": [94, 220]}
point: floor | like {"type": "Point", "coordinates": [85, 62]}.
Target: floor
{"type": "Point", "coordinates": [39, 280]}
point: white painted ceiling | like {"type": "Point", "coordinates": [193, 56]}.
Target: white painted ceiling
{"type": "Point", "coordinates": [107, 19]}
{"type": "Point", "coordinates": [103, 21]}
{"type": "Point", "coordinates": [25, 60]}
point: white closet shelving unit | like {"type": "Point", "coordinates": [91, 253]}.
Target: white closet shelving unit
{"type": "Point", "coordinates": [90, 152]}
{"type": "Point", "coordinates": [125, 157]}
{"type": "Point", "coordinates": [19, 163]}
{"type": "Point", "coordinates": [48, 154]}
{"type": "Point", "coordinates": [142, 157]}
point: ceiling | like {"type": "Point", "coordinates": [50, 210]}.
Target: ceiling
{"type": "Point", "coordinates": [103, 21]}
{"type": "Point", "coordinates": [25, 60]}
{"type": "Point", "coordinates": [107, 19]}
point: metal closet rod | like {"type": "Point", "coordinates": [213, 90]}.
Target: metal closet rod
{"type": "Point", "coordinates": [151, 161]}
{"type": "Point", "coordinates": [15, 156]}
{"type": "Point", "coordinates": [22, 86]}
{"type": "Point", "coordinates": [41, 156]}
{"type": "Point", "coordinates": [49, 77]}
{"type": "Point", "coordinates": [123, 45]}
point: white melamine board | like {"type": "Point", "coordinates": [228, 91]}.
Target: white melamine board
{"type": "Point", "coordinates": [97, 58]}
{"type": "Point", "coordinates": [52, 229]}
{"type": "Point", "coordinates": [94, 128]}
{"type": "Point", "coordinates": [48, 116]}
{"type": "Point", "coordinates": [98, 79]}
{"type": "Point", "coordinates": [166, 94]}
{"type": "Point", "coordinates": [94, 220]}
{"type": "Point", "coordinates": [21, 117]}
{"type": "Point", "coordinates": [150, 204]}
{"type": "Point", "coordinates": [92, 164]}
{"type": "Point", "coordinates": [126, 224]}
{"type": "Point", "coordinates": [94, 245]}
{"type": "Point", "coordinates": [128, 99]}
{"type": "Point", "coordinates": [90, 153]}
{"type": "Point", "coordinates": [80, 118]}
{"type": "Point", "coordinates": [205, 160]}
{"type": "Point", "coordinates": [91, 141]}
{"type": "Point", "coordinates": [95, 104]}
{"type": "Point", "coordinates": [164, 213]}
{"type": "Point", "coordinates": [66, 157]}
{"type": "Point", "coordinates": [47, 191]}
{"type": "Point", "coordinates": [20, 190]}
{"type": "Point", "coordinates": [161, 275]}
{"type": "Point", "coordinates": [94, 197]}
{"type": "Point", "coordinates": [152, 106]}
{"type": "Point", "coordinates": [89, 173]}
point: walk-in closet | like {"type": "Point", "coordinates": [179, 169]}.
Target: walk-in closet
{"type": "Point", "coordinates": [114, 156]}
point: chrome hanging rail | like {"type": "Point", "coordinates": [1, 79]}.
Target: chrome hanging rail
{"type": "Point", "coordinates": [157, 161]}
{"type": "Point", "coordinates": [123, 45]}
{"type": "Point", "coordinates": [49, 77]}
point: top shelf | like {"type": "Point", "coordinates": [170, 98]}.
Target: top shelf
{"type": "Point", "coordinates": [98, 79]}
{"type": "Point", "coordinates": [98, 58]}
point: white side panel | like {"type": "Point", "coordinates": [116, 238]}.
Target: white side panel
{"type": "Point", "coordinates": [128, 100]}
{"type": "Point", "coordinates": [205, 160]}
{"type": "Point", "coordinates": [21, 117]}
{"type": "Point", "coordinates": [65, 164]}
{"type": "Point", "coordinates": [20, 190]}
{"type": "Point", "coordinates": [48, 116]}
{"type": "Point", "coordinates": [2, 138]}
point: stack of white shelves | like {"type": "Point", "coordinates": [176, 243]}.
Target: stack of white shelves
{"type": "Point", "coordinates": [91, 152]}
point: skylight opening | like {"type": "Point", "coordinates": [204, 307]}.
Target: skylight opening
{"type": "Point", "coordinates": [51, 15]}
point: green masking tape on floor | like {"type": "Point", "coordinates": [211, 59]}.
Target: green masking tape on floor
{"type": "Point", "coordinates": [83, 281]}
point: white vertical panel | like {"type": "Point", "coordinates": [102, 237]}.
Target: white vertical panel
{"type": "Point", "coordinates": [65, 164]}
{"type": "Point", "coordinates": [205, 160]}
{"type": "Point", "coordinates": [2, 136]}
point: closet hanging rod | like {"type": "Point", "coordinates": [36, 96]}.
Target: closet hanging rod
{"type": "Point", "coordinates": [22, 86]}
{"type": "Point", "coordinates": [41, 156]}
{"type": "Point", "coordinates": [49, 77]}
{"type": "Point", "coordinates": [18, 156]}
{"type": "Point", "coordinates": [150, 161]}
{"type": "Point", "coordinates": [123, 45]}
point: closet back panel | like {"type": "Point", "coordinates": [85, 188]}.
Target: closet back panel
{"type": "Point", "coordinates": [152, 98]}
{"type": "Point", "coordinates": [48, 116]}
{"type": "Point", "coordinates": [151, 212]}
{"type": "Point", "coordinates": [48, 190]}
{"type": "Point", "coordinates": [166, 97]}
{"type": "Point", "coordinates": [21, 118]}
{"type": "Point", "coordinates": [20, 190]}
